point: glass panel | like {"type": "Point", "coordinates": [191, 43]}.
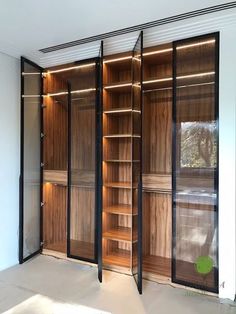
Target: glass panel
{"type": "Point", "coordinates": [195, 195]}
{"type": "Point", "coordinates": [136, 163]}
{"type": "Point", "coordinates": [31, 159]}
{"type": "Point", "coordinates": [83, 155]}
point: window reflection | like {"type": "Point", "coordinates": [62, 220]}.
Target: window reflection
{"type": "Point", "coordinates": [198, 144]}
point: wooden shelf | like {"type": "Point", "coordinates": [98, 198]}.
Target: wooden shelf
{"type": "Point", "coordinates": [119, 258]}
{"type": "Point", "coordinates": [118, 234]}
{"type": "Point", "coordinates": [157, 265]}
{"type": "Point", "coordinates": [119, 86]}
{"type": "Point", "coordinates": [118, 111]}
{"type": "Point", "coordinates": [121, 136]}
{"type": "Point", "coordinates": [117, 160]}
{"type": "Point", "coordinates": [120, 209]}
{"type": "Point", "coordinates": [123, 185]}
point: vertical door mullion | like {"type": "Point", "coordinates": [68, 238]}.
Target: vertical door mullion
{"type": "Point", "coordinates": [99, 164]}
{"type": "Point", "coordinates": [69, 170]}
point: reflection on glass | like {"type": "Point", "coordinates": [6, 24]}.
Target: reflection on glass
{"type": "Point", "coordinates": [198, 144]}
{"type": "Point", "coordinates": [195, 202]}
{"type": "Point", "coordinates": [83, 143]}
{"type": "Point", "coordinates": [31, 175]}
{"type": "Point", "coordinates": [136, 166]}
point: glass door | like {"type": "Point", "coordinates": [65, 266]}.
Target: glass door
{"type": "Point", "coordinates": [195, 163]}
{"type": "Point", "coordinates": [31, 157]}
{"type": "Point", "coordinates": [99, 160]}
{"type": "Point", "coordinates": [82, 173]}
{"type": "Point", "coordinates": [136, 126]}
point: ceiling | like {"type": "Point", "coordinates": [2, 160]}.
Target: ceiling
{"type": "Point", "coordinates": [27, 26]}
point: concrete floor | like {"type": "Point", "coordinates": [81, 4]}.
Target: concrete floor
{"type": "Point", "coordinates": [48, 285]}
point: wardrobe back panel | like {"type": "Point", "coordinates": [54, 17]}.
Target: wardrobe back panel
{"type": "Point", "coordinates": [54, 217]}
{"type": "Point", "coordinates": [55, 124]}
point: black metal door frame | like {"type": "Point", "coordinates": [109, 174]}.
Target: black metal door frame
{"type": "Point", "coordinates": [99, 178]}
{"type": "Point", "coordinates": [21, 178]}
{"type": "Point", "coordinates": [139, 227]}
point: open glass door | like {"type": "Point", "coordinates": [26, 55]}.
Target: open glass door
{"type": "Point", "coordinates": [137, 162]}
{"type": "Point", "coordinates": [99, 161]}
{"type": "Point", "coordinates": [82, 163]}
{"type": "Point", "coordinates": [31, 156]}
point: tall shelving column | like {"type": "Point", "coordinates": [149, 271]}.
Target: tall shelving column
{"type": "Point", "coordinates": [118, 137]}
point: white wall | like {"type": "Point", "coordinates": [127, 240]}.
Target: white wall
{"type": "Point", "coordinates": [227, 145]}
{"type": "Point", "coordinates": [9, 159]}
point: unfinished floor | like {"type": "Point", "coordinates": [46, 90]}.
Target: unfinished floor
{"type": "Point", "coordinates": [48, 285]}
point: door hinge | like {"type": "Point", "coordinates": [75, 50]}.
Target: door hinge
{"type": "Point", "coordinates": [44, 74]}
{"type": "Point", "coordinates": [42, 135]}
{"type": "Point", "coordinates": [42, 243]}
{"type": "Point", "coordinates": [42, 204]}
{"type": "Point", "coordinates": [43, 106]}
{"type": "Point", "coordinates": [42, 164]}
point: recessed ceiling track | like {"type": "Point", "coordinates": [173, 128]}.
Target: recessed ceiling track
{"type": "Point", "coordinates": [139, 27]}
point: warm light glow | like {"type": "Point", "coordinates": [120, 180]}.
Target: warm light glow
{"type": "Point", "coordinates": [117, 59]}
{"type": "Point", "coordinates": [30, 96]}
{"type": "Point", "coordinates": [55, 94]}
{"type": "Point", "coordinates": [179, 77]}
{"type": "Point", "coordinates": [195, 75]}
{"type": "Point", "coordinates": [83, 90]}
{"type": "Point", "coordinates": [157, 89]}
{"type": "Point", "coordinates": [117, 111]}
{"type": "Point", "coordinates": [136, 59]}
{"type": "Point", "coordinates": [70, 68]}
{"type": "Point", "coordinates": [158, 80]}
{"type": "Point", "coordinates": [121, 135]}
{"type": "Point", "coordinates": [157, 52]}
{"type": "Point", "coordinates": [182, 86]}
{"type": "Point", "coordinates": [30, 73]}
{"type": "Point", "coordinates": [193, 85]}
{"type": "Point", "coordinates": [118, 85]}
{"type": "Point", "coordinates": [179, 47]}
{"type": "Point", "coordinates": [196, 44]}
{"type": "Point", "coordinates": [121, 111]}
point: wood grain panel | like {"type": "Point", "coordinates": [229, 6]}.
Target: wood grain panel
{"type": "Point", "coordinates": [157, 132]}
{"type": "Point", "coordinates": [117, 72]}
{"type": "Point", "coordinates": [83, 133]}
{"type": "Point", "coordinates": [54, 217]}
{"type": "Point", "coordinates": [82, 232]}
{"type": "Point", "coordinates": [117, 148]}
{"type": "Point", "coordinates": [83, 178]}
{"type": "Point", "coordinates": [157, 182]}
{"type": "Point", "coordinates": [55, 130]}
{"type": "Point", "coordinates": [157, 235]}
{"type": "Point", "coordinates": [196, 59]}
{"type": "Point", "coordinates": [196, 103]}
{"type": "Point", "coordinates": [55, 176]}
{"type": "Point", "coordinates": [157, 265]}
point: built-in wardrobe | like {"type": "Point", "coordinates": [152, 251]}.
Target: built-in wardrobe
{"type": "Point", "coordinates": [119, 161]}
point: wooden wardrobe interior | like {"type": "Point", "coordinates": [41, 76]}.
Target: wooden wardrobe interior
{"type": "Point", "coordinates": [122, 136]}
{"type": "Point", "coordinates": [121, 157]}
{"type": "Point", "coordinates": [82, 82]}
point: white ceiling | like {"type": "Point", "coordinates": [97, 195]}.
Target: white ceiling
{"type": "Point", "coordinates": [27, 26]}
